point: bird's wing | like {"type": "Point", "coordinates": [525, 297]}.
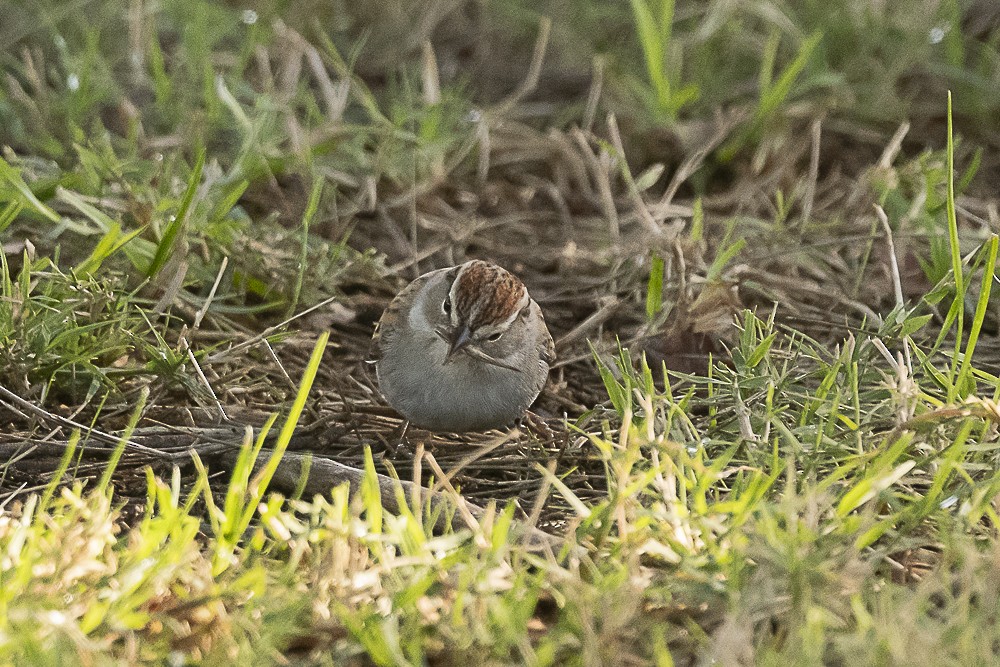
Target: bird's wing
{"type": "Point", "coordinates": [549, 353]}
{"type": "Point", "coordinates": [394, 312]}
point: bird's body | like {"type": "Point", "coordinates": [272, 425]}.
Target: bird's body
{"type": "Point", "coordinates": [462, 349]}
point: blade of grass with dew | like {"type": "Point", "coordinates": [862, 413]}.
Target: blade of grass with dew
{"type": "Point", "coordinates": [178, 223]}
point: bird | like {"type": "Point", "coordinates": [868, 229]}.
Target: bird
{"type": "Point", "coordinates": [463, 348]}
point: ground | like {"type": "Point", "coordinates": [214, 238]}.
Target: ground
{"type": "Point", "coordinates": [764, 239]}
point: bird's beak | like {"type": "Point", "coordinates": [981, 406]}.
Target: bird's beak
{"type": "Point", "coordinates": [458, 339]}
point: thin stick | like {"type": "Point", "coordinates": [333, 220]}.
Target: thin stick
{"type": "Point", "coordinates": [531, 79]}
{"type": "Point", "coordinates": [897, 283]}
{"type": "Point", "coordinates": [220, 356]}
{"type": "Point", "coordinates": [594, 95]}
{"type": "Point", "coordinates": [211, 295]}
{"type": "Point", "coordinates": [204, 381]}
{"type": "Point", "coordinates": [640, 205]}
{"type": "Point", "coordinates": [810, 196]}
{"type": "Point", "coordinates": [459, 500]}
{"type": "Point", "coordinates": [83, 428]}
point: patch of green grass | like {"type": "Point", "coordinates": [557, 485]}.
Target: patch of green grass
{"type": "Point", "coordinates": [761, 525]}
{"type": "Point", "coordinates": [106, 117]}
{"type": "Point", "coordinates": [65, 335]}
{"type": "Point", "coordinates": [654, 24]}
{"type": "Point", "coordinates": [864, 65]}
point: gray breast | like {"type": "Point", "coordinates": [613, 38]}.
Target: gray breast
{"type": "Point", "coordinates": [462, 395]}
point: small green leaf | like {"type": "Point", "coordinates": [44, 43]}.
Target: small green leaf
{"type": "Point", "coordinates": [649, 177]}
{"type": "Point", "coordinates": [913, 324]}
{"type": "Point", "coordinates": [759, 352]}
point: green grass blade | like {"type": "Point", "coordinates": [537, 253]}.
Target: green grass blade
{"type": "Point", "coordinates": [777, 94]}
{"type": "Point", "coordinates": [371, 495]}
{"type": "Point", "coordinates": [654, 289]}
{"type": "Point", "coordinates": [965, 380]}
{"type": "Point", "coordinates": [307, 217]}
{"type": "Point", "coordinates": [110, 243]}
{"type": "Point", "coordinates": [60, 472]}
{"type": "Point", "coordinates": [260, 483]}
{"type": "Point", "coordinates": [12, 176]}
{"type": "Point", "coordinates": [9, 214]}
{"type": "Point", "coordinates": [116, 456]}
{"type": "Point", "coordinates": [179, 222]}
{"type": "Point", "coordinates": [957, 310]}
{"type": "Point", "coordinates": [653, 39]}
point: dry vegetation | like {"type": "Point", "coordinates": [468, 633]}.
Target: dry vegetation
{"type": "Point", "coordinates": [763, 240]}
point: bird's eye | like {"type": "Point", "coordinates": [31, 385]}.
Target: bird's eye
{"type": "Point", "coordinates": [495, 337]}
{"type": "Point", "coordinates": [446, 306]}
